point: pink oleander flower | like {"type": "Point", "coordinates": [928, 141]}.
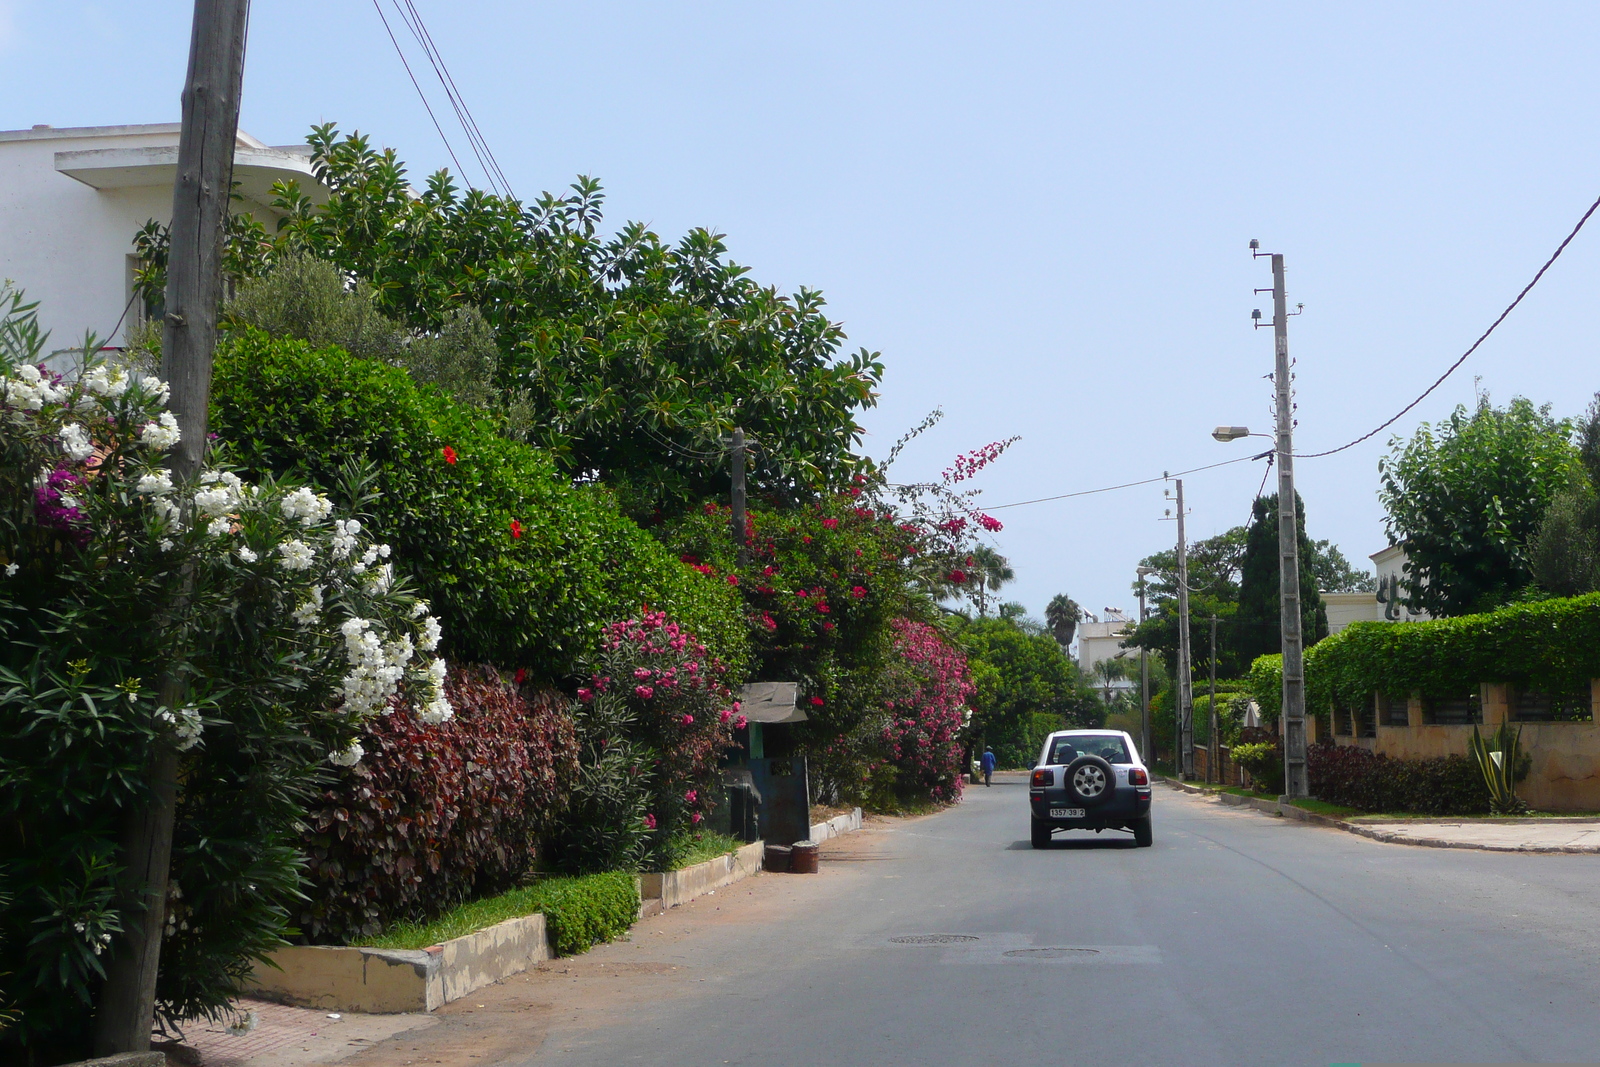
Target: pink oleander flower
{"type": "Point", "coordinates": [695, 818]}
{"type": "Point", "coordinates": [649, 821]}
{"type": "Point", "coordinates": [691, 796]}
{"type": "Point", "coordinates": [585, 694]}
{"type": "Point", "coordinates": [687, 720]}
{"type": "Point", "coordinates": [643, 692]}
{"type": "Point", "coordinates": [740, 723]}
{"type": "Point", "coordinates": [641, 672]}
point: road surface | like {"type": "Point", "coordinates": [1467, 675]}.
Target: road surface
{"type": "Point", "coordinates": [1238, 938]}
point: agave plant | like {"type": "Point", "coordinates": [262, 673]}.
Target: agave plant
{"type": "Point", "coordinates": [1501, 762]}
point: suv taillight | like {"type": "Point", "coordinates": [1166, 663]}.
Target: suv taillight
{"type": "Point", "coordinates": [1137, 776]}
{"type": "Point", "coordinates": [1040, 779]}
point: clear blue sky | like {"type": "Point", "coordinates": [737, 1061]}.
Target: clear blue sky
{"type": "Point", "coordinates": [1037, 213]}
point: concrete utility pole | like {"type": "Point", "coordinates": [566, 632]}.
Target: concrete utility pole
{"type": "Point", "coordinates": [1214, 750]}
{"type": "Point", "coordinates": [740, 545]}
{"type": "Point", "coordinates": [200, 203]}
{"type": "Point", "coordinates": [1294, 696]}
{"type": "Point", "coordinates": [1144, 679]}
{"type": "Point", "coordinates": [1185, 683]}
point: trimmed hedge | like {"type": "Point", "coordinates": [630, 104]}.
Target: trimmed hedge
{"type": "Point", "coordinates": [435, 816]}
{"type": "Point", "coordinates": [1548, 644]}
{"type": "Point", "coordinates": [1359, 778]}
{"type": "Point", "coordinates": [580, 912]}
{"type": "Point", "coordinates": [521, 566]}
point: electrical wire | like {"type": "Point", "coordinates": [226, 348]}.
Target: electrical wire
{"type": "Point", "coordinates": [1128, 485]}
{"type": "Point", "coordinates": [1452, 368]}
{"type": "Point", "coordinates": [409, 14]}
{"type": "Point", "coordinates": [417, 85]}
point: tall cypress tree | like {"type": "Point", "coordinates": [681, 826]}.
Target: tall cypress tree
{"type": "Point", "coordinates": [1257, 626]}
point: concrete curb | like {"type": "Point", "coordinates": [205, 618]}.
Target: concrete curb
{"type": "Point", "coordinates": [381, 981]}
{"type": "Point", "coordinates": [673, 888]}
{"type": "Point", "coordinates": [1273, 807]}
{"type": "Point", "coordinates": [839, 824]}
{"type": "Point", "coordinates": [125, 1059]}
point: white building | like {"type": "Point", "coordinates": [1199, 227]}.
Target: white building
{"type": "Point", "coordinates": [1387, 604]}
{"type": "Point", "coordinates": [71, 201]}
{"type": "Point", "coordinates": [1101, 639]}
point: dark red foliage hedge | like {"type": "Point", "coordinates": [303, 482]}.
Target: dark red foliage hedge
{"type": "Point", "coordinates": [1359, 778]}
{"type": "Point", "coordinates": [435, 815]}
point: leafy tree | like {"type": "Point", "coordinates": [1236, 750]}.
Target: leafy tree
{"type": "Point", "coordinates": [989, 572]}
{"type": "Point", "coordinates": [1334, 573]}
{"type": "Point", "coordinates": [635, 357]}
{"type": "Point", "coordinates": [1017, 677]}
{"type": "Point", "coordinates": [1257, 626]}
{"type": "Point", "coordinates": [1108, 672]}
{"type": "Point", "coordinates": [1466, 499]}
{"type": "Point", "coordinates": [1564, 554]}
{"type": "Point", "coordinates": [1213, 590]}
{"type": "Point", "coordinates": [1062, 615]}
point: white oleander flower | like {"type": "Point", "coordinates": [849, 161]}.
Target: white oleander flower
{"type": "Point", "coordinates": [153, 387]}
{"type": "Point", "coordinates": [438, 710]}
{"type": "Point", "coordinates": [161, 434]}
{"type": "Point", "coordinates": [349, 757]}
{"type": "Point", "coordinates": [11, 568]}
{"type": "Point", "coordinates": [106, 381]}
{"type": "Point", "coordinates": [306, 614]}
{"type": "Point", "coordinates": [297, 555]}
{"type": "Point", "coordinates": [431, 633]}
{"type": "Point", "coordinates": [165, 544]}
{"type": "Point", "coordinates": [305, 506]}
{"type": "Point", "coordinates": [247, 555]}
{"type": "Point", "coordinates": [157, 483]}
{"type": "Point", "coordinates": [343, 541]}
{"type": "Point", "coordinates": [218, 527]}
{"type": "Point", "coordinates": [75, 442]}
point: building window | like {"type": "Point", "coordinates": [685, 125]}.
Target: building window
{"type": "Point", "coordinates": [1465, 709]}
{"type": "Point", "coordinates": [1538, 705]}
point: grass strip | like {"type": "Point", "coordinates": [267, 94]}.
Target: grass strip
{"type": "Point", "coordinates": [579, 912]}
{"type": "Point", "coordinates": [691, 849]}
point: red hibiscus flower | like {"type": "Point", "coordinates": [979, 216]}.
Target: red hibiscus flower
{"type": "Point", "coordinates": [450, 455]}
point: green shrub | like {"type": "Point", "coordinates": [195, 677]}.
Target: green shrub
{"type": "Point", "coordinates": [1264, 761]}
{"type": "Point", "coordinates": [580, 912]}
{"type": "Point", "coordinates": [521, 566]}
{"type": "Point", "coordinates": [1548, 644]}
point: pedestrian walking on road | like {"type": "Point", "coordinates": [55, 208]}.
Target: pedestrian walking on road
{"type": "Point", "coordinates": [988, 764]}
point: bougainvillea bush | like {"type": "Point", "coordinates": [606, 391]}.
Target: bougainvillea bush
{"type": "Point", "coordinates": [655, 720]}
{"type": "Point", "coordinates": [924, 696]}
{"type": "Point", "coordinates": [288, 627]}
{"type": "Point", "coordinates": [431, 818]}
{"type": "Point", "coordinates": [522, 566]}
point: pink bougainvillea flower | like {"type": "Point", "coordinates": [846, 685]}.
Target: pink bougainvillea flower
{"type": "Point", "coordinates": [822, 607]}
{"type": "Point", "coordinates": [958, 577]}
{"type": "Point", "coordinates": [733, 579]}
{"type": "Point", "coordinates": [827, 626]}
{"type": "Point", "coordinates": [740, 723]}
{"type": "Point", "coordinates": [521, 675]}
{"type": "Point", "coordinates": [816, 702]}
{"type": "Point", "coordinates": [516, 529]}
{"type": "Point", "coordinates": [768, 572]}
{"type": "Point", "coordinates": [727, 713]}
{"type": "Point", "coordinates": [990, 523]}
{"type": "Point", "coordinates": [858, 591]}
{"type": "Point", "coordinates": [649, 821]}
{"type": "Point", "coordinates": [643, 692]}
{"type": "Point", "coordinates": [806, 539]}
{"type": "Point", "coordinates": [450, 455]}
{"type": "Point", "coordinates": [830, 524]}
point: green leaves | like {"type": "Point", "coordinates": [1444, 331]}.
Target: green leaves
{"type": "Point", "coordinates": [1466, 501]}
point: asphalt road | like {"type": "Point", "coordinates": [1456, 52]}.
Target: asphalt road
{"type": "Point", "coordinates": [1237, 939]}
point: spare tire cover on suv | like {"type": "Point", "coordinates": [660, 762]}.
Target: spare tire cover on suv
{"type": "Point", "coordinates": [1090, 780]}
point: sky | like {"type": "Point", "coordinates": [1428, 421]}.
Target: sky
{"type": "Point", "coordinates": [1037, 213]}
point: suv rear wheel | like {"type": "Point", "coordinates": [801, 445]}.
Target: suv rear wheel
{"type": "Point", "coordinates": [1041, 834]}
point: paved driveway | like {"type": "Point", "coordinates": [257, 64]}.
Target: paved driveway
{"type": "Point", "coordinates": [1238, 939]}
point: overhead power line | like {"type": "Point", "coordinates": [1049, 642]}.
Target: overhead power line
{"type": "Point", "coordinates": [1129, 485]}
{"type": "Point", "coordinates": [415, 84]}
{"type": "Point", "coordinates": [1452, 368]}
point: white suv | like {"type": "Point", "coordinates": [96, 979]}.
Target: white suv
{"type": "Point", "coordinates": [1090, 780]}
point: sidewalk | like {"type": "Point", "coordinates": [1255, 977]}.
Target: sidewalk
{"type": "Point", "coordinates": [1553, 835]}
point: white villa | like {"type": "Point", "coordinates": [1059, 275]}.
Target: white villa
{"type": "Point", "coordinates": [71, 201]}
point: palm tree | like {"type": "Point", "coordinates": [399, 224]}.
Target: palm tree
{"type": "Point", "coordinates": [1062, 616]}
{"type": "Point", "coordinates": [991, 570]}
{"type": "Point", "coordinates": [1108, 671]}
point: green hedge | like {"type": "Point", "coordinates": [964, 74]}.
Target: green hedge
{"type": "Point", "coordinates": [531, 595]}
{"type": "Point", "coordinates": [579, 912]}
{"type": "Point", "coordinates": [1548, 644]}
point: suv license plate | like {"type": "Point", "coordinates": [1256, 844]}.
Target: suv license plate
{"type": "Point", "coordinates": [1066, 813]}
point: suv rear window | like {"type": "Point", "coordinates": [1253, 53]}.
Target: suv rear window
{"type": "Point", "coordinates": [1108, 747]}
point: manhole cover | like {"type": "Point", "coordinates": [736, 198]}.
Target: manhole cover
{"type": "Point", "coordinates": [931, 939]}
{"type": "Point", "coordinates": [1051, 953]}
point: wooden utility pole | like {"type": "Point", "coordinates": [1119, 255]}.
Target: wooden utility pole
{"type": "Point", "coordinates": [1147, 753]}
{"type": "Point", "coordinates": [1185, 756]}
{"type": "Point", "coordinates": [740, 545]}
{"type": "Point", "coordinates": [200, 204]}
